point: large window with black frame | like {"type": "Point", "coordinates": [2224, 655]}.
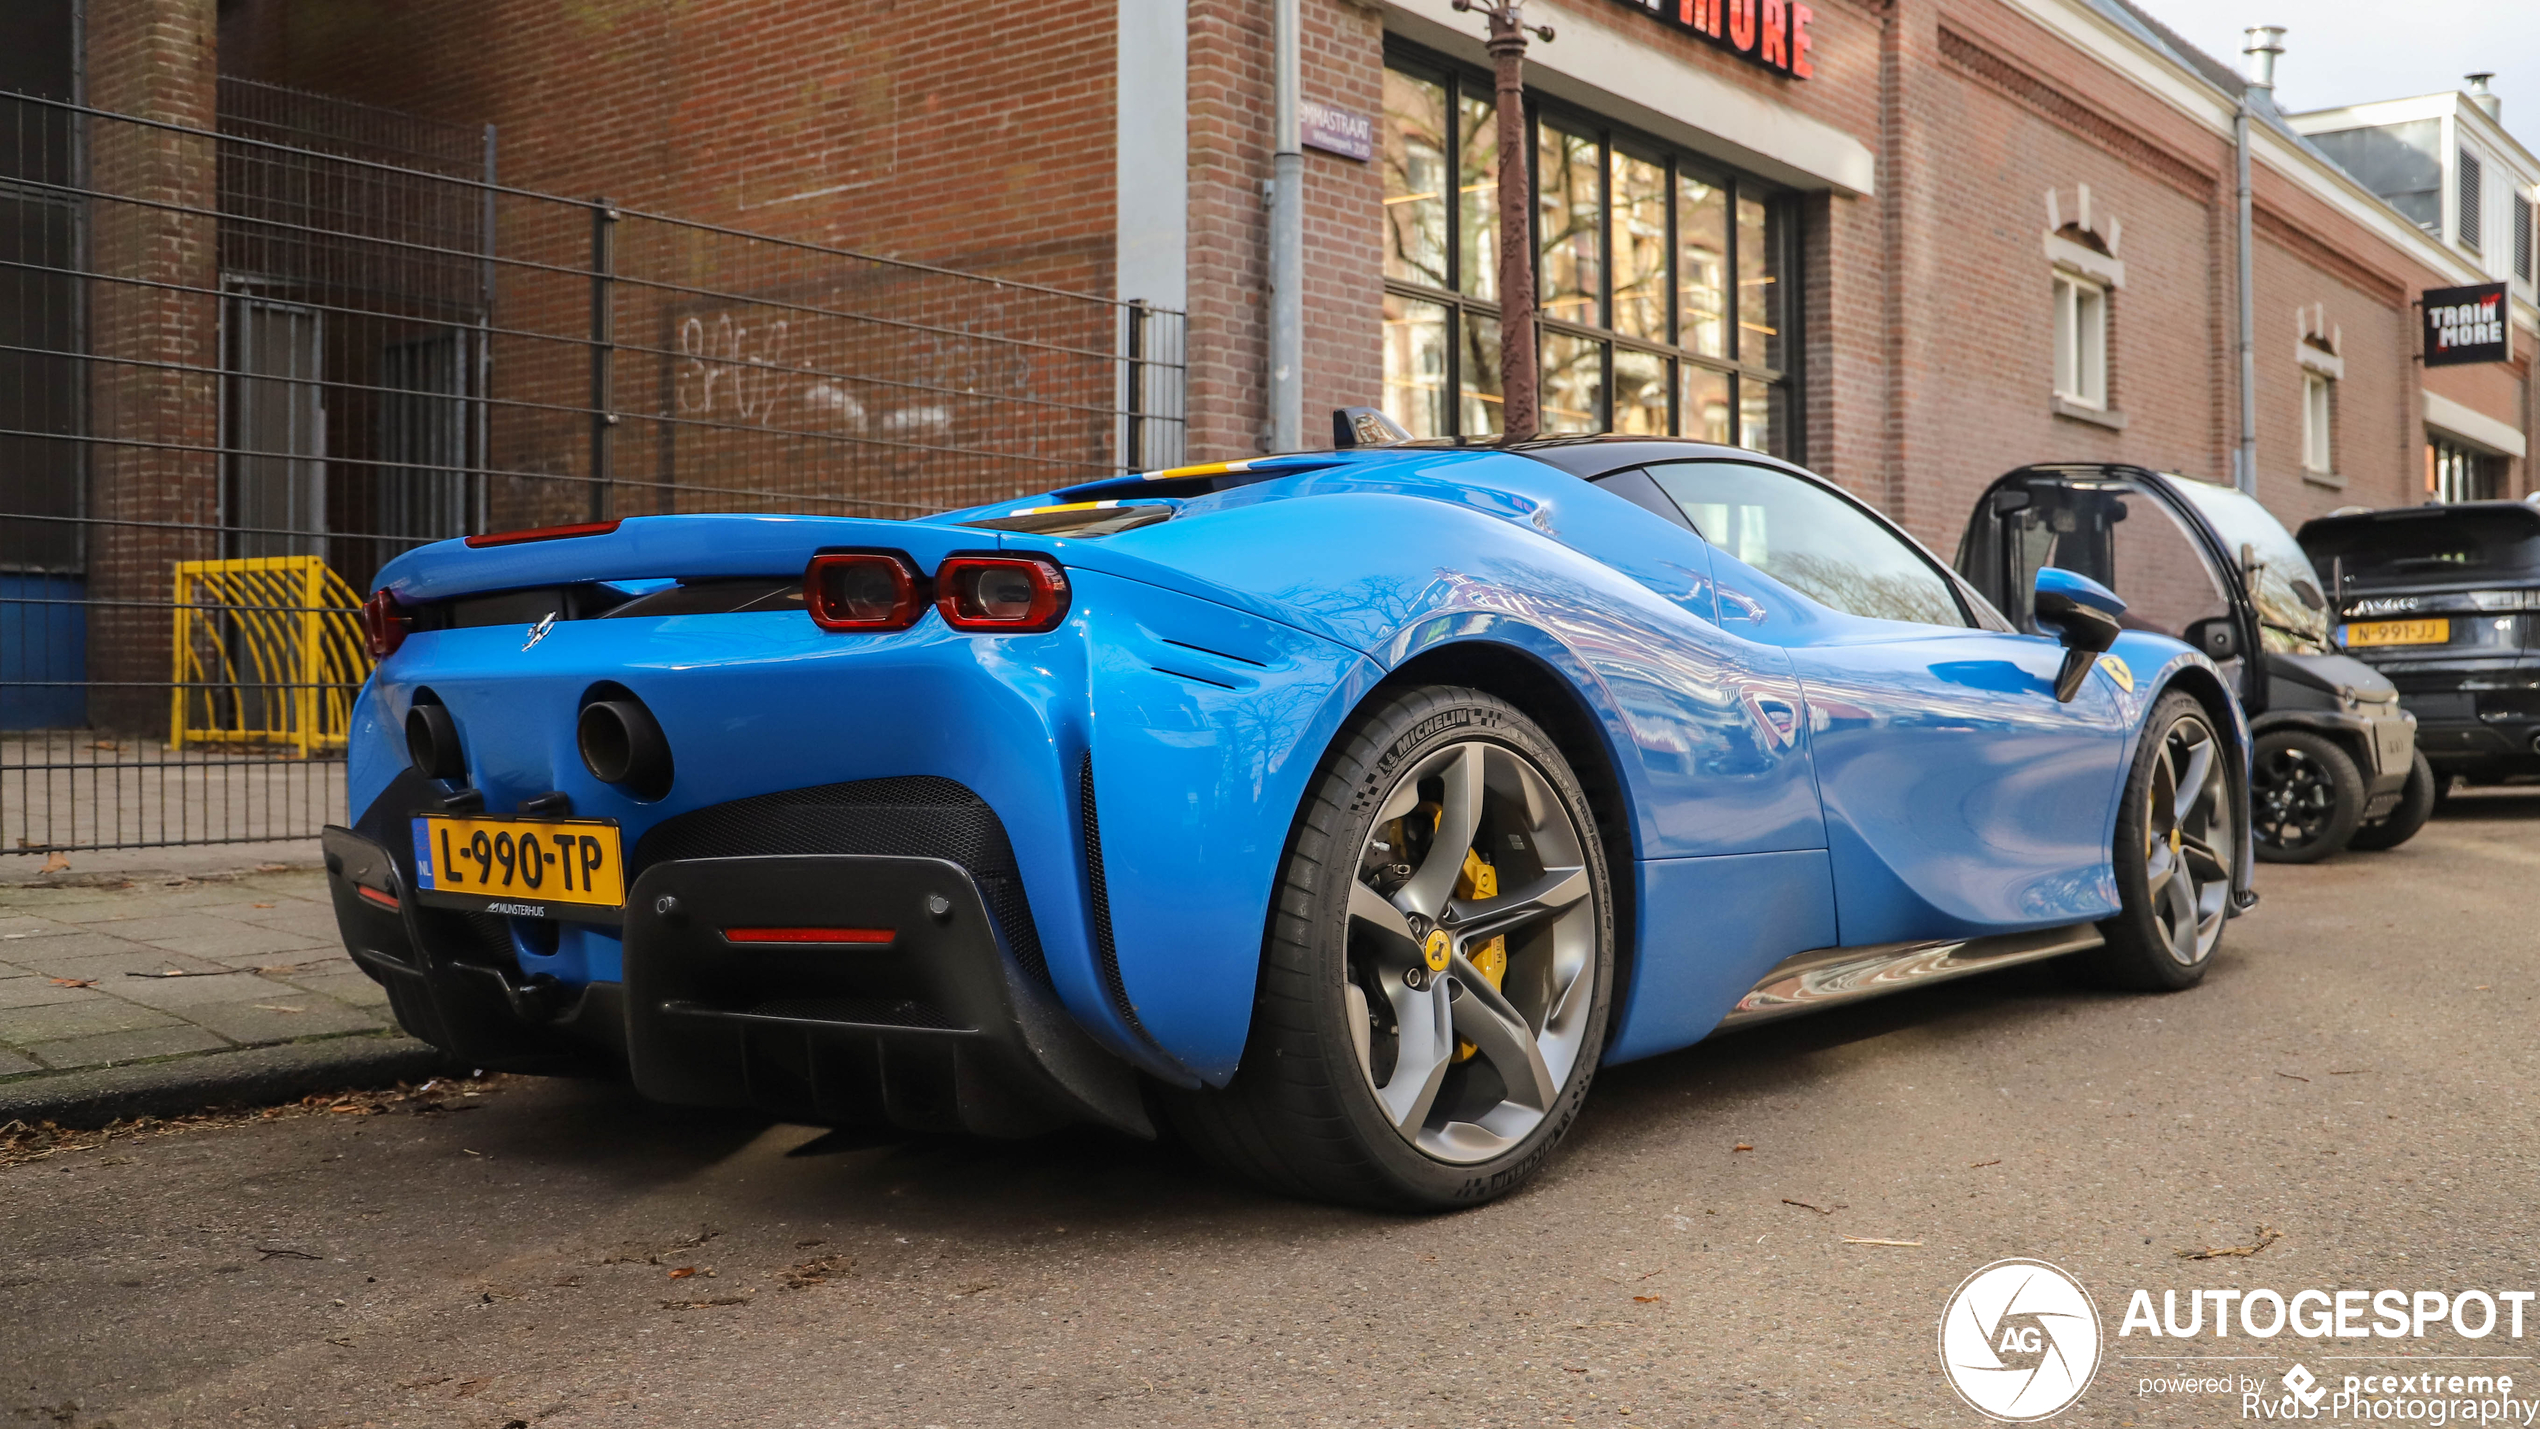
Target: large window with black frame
{"type": "Point", "coordinates": [1662, 283]}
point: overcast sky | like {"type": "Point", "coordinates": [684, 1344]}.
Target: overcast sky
{"type": "Point", "coordinates": [2351, 51]}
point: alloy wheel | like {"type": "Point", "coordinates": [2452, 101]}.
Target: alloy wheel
{"type": "Point", "coordinates": [2188, 841]}
{"type": "Point", "coordinates": [1472, 951]}
{"type": "Point", "coordinates": [2293, 799]}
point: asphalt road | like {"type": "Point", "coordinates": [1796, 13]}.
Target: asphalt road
{"type": "Point", "coordinates": [2355, 1074]}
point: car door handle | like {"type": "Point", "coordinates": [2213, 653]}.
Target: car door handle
{"type": "Point", "coordinates": [1735, 604]}
{"type": "Point", "coordinates": [1776, 716]}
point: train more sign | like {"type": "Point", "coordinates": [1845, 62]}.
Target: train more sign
{"type": "Point", "coordinates": [2464, 325]}
{"type": "Point", "coordinates": [1770, 33]}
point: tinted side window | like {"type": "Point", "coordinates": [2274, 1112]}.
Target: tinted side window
{"type": "Point", "coordinates": [2124, 538]}
{"type": "Point", "coordinates": [1810, 540]}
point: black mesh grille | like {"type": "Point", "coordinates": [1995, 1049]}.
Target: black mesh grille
{"type": "Point", "coordinates": [913, 816]}
{"type": "Point", "coordinates": [1098, 902]}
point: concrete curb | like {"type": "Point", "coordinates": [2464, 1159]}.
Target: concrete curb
{"type": "Point", "coordinates": [255, 1075]}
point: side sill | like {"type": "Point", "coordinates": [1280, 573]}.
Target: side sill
{"type": "Point", "coordinates": [1829, 977]}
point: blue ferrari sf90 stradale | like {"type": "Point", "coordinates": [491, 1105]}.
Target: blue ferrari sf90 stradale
{"type": "Point", "coordinates": [1348, 809]}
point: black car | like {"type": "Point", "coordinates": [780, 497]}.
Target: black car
{"type": "Point", "coordinates": [2334, 764]}
{"type": "Point", "coordinates": [2445, 601]}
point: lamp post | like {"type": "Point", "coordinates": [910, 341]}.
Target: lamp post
{"type": "Point", "coordinates": [1519, 374]}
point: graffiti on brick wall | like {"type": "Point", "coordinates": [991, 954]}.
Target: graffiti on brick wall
{"type": "Point", "coordinates": [734, 371]}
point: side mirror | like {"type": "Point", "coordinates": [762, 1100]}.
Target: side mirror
{"type": "Point", "coordinates": [2082, 615]}
{"type": "Point", "coordinates": [2216, 637]}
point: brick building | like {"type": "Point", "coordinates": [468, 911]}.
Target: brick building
{"type": "Point", "coordinates": [1870, 266]}
{"type": "Point", "coordinates": [1911, 243]}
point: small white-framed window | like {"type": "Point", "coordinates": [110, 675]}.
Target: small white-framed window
{"type": "Point", "coordinates": [2081, 341]}
{"type": "Point", "coordinates": [2319, 399]}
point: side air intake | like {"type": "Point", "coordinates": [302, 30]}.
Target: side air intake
{"type": "Point", "coordinates": [1098, 903]}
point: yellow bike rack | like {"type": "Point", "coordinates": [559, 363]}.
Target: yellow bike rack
{"type": "Point", "coordinates": [269, 650]}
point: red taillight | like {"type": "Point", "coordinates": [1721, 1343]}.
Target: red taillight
{"type": "Point", "coordinates": [807, 935]}
{"type": "Point", "coordinates": [386, 628]}
{"type": "Point", "coordinates": [1010, 593]}
{"type": "Point", "coordinates": [542, 533]}
{"type": "Point", "coordinates": [861, 591]}
{"type": "Point", "coordinates": [384, 900]}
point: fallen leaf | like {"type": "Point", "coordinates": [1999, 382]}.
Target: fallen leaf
{"type": "Point", "coordinates": [718, 1300]}
{"type": "Point", "coordinates": [816, 1271]}
{"type": "Point", "coordinates": [270, 1007]}
{"type": "Point", "coordinates": [1996, 1161]}
{"type": "Point", "coordinates": [56, 864]}
{"type": "Point", "coordinates": [2267, 1236]}
{"type": "Point", "coordinates": [259, 905]}
{"type": "Point", "coordinates": [468, 1387]}
{"type": "Point", "coordinates": [1647, 1299]}
{"type": "Point", "coordinates": [1874, 1240]}
{"type": "Point", "coordinates": [1743, 1146]}
{"type": "Point", "coordinates": [1803, 1205]}
{"type": "Point", "coordinates": [105, 744]}
{"type": "Point", "coordinates": [74, 982]}
{"type": "Point", "coordinates": [808, 1244]}
{"type": "Point", "coordinates": [294, 1254]}
{"type": "Point", "coordinates": [683, 1272]}
{"type": "Point", "coordinates": [346, 1342]}
{"type": "Point", "coordinates": [2288, 1076]}
{"type": "Point", "coordinates": [2353, 1072]}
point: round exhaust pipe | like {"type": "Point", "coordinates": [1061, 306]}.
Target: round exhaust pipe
{"type": "Point", "coordinates": [432, 743]}
{"type": "Point", "coordinates": [622, 744]}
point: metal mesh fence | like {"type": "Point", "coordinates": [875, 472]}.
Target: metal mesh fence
{"type": "Point", "coordinates": [326, 333]}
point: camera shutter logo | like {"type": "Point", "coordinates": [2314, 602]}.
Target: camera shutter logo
{"type": "Point", "coordinates": [2019, 1341]}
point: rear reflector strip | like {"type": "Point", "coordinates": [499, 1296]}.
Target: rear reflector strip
{"type": "Point", "coordinates": [808, 935]}
{"type": "Point", "coordinates": [384, 900]}
{"type": "Point", "coordinates": [542, 533]}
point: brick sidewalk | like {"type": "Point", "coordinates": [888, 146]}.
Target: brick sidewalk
{"type": "Point", "coordinates": [263, 960]}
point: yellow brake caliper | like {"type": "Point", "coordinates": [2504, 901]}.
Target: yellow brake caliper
{"type": "Point", "coordinates": [1478, 881]}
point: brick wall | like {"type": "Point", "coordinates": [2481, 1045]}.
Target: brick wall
{"type": "Point", "coordinates": [977, 137]}
{"type": "Point", "coordinates": [156, 477]}
{"type": "Point", "coordinates": [969, 140]}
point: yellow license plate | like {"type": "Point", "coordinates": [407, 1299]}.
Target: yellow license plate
{"type": "Point", "coordinates": [2399, 632]}
{"type": "Point", "coordinates": [575, 862]}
